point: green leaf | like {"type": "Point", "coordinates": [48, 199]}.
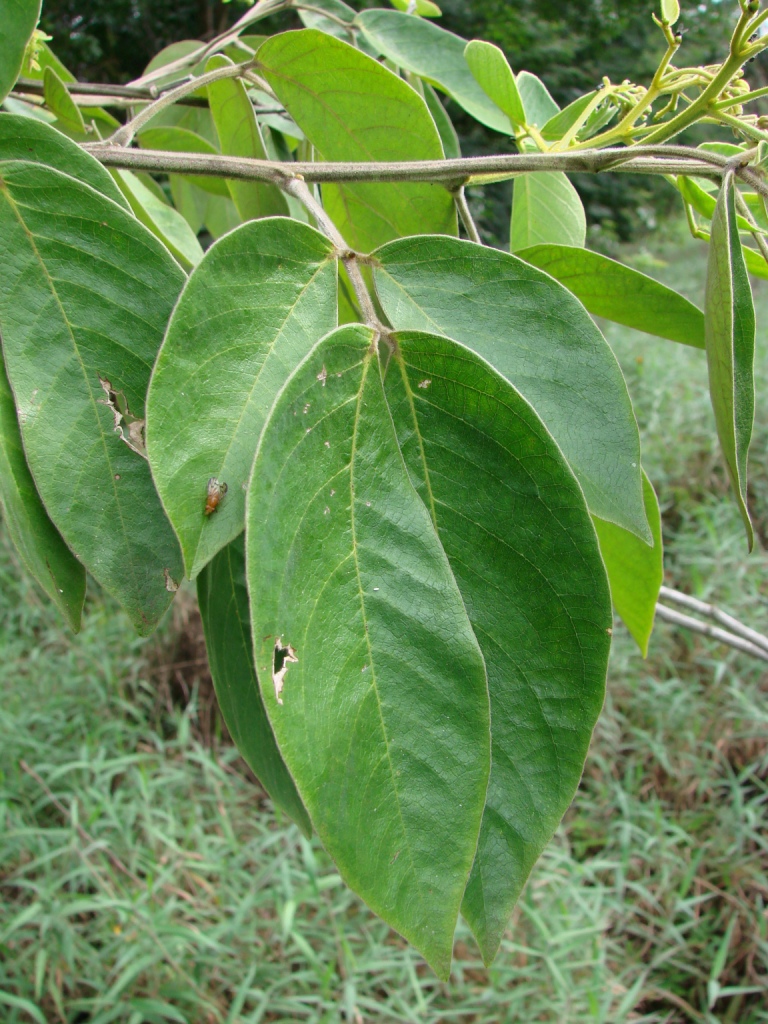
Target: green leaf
{"type": "Point", "coordinates": [171, 53]}
{"type": "Point", "coordinates": [730, 342]}
{"type": "Point", "coordinates": [702, 201]}
{"type": "Point", "coordinates": [448, 136]}
{"type": "Point", "coordinates": [423, 8]}
{"type": "Point", "coordinates": [538, 104]}
{"type": "Point", "coordinates": [670, 11]}
{"type": "Point", "coordinates": [352, 108]}
{"type": "Point", "coordinates": [635, 569]}
{"type": "Point", "coordinates": [239, 135]}
{"type": "Point", "coordinates": [85, 294]}
{"type": "Point", "coordinates": [224, 609]}
{"type": "Point", "coordinates": [518, 536]}
{"type": "Point", "coordinates": [162, 220]}
{"type": "Point", "coordinates": [18, 19]}
{"type": "Point", "coordinates": [496, 78]}
{"type": "Point", "coordinates": [60, 103]}
{"type": "Point", "coordinates": [34, 536]}
{"type": "Point", "coordinates": [619, 293]}
{"type": "Point", "coordinates": [755, 262]}
{"type": "Point", "coordinates": [563, 121]}
{"type": "Point", "coordinates": [546, 208]}
{"type": "Point", "coordinates": [384, 723]}
{"type": "Point", "coordinates": [250, 312]}
{"type": "Point", "coordinates": [21, 138]}
{"type": "Point", "coordinates": [182, 140]}
{"type": "Point", "coordinates": [435, 55]}
{"type": "Point", "coordinates": [538, 336]}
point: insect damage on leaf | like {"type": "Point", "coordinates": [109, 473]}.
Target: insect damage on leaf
{"type": "Point", "coordinates": [124, 418]}
{"type": "Point", "coordinates": [170, 583]}
{"type": "Point", "coordinates": [284, 656]}
{"type": "Point", "coordinates": [215, 492]}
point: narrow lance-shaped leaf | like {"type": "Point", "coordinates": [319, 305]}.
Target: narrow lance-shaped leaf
{"type": "Point", "coordinates": [34, 536]}
{"type": "Point", "coordinates": [22, 138]}
{"type": "Point", "coordinates": [223, 599]}
{"type": "Point", "coordinates": [85, 293]}
{"type": "Point", "coordinates": [239, 135]}
{"type": "Point", "coordinates": [518, 536]}
{"type": "Point", "coordinates": [162, 220]}
{"type": "Point", "coordinates": [60, 103]}
{"type": "Point", "coordinates": [730, 340]}
{"type": "Point", "coordinates": [619, 293]}
{"type": "Point", "coordinates": [250, 312]}
{"type": "Point", "coordinates": [635, 569]}
{"type": "Point", "coordinates": [369, 669]}
{"type": "Point", "coordinates": [350, 107]}
{"type": "Point", "coordinates": [435, 55]}
{"type": "Point", "coordinates": [448, 135]}
{"type": "Point", "coordinates": [546, 208]}
{"type": "Point", "coordinates": [496, 78]}
{"type": "Point", "coordinates": [538, 336]}
{"type": "Point", "coordinates": [561, 122]}
{"type": "Point", "coordinates": [17, 23]}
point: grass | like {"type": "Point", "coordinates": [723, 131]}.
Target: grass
{"type": "Point", "coordinates": [144, 878]}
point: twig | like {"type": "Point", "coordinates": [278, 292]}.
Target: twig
{"type": "Point", "coordinates": [296, 186]}
{"type": "Point", "coordinates": [713, 632]}
{"type": "Point", "coordinates": [124, 135]}
{"type": "Point", "coordinates": [451, 173]}
{"type": "Point", "coordinates": [713, 612]}
{"type": "Point", "coordinates": [261, 10]}
{"type": "Point", "coordinates": [466, 215]}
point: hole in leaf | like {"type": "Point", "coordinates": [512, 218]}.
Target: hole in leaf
{"type": "Point", "coordinates": [283, 657]}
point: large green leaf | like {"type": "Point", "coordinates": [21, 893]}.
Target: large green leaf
{"type": "Point", "coordinates": [384, 720]}
{"type": "Point", "coordinates": [85, 293]}
{"type": "Point", "coordinates": [250, 312]}
{"type": "Point", "coordinates": [352, 108]}
{"type": "Point", "coordinates": [22, 138]}
{"type": "Point", "coordinates": [635, 569]}
{"type": "Point", "coordinates": [538, 336]}
{"type": "Point", "coordinates": [226, 616]}
{"type": "Point", "coordinates": [18, 19]}
{"type": "Point", "coordinates": [546, 208]}
{"type": "Point", "coordinates": [175, 139]}
{"type": "Point", "coordinates": [34, 536]}
{"type": "Point", "coordinates": [514, 524]}
{"type": "Point", "coordinates": [433, 54]}
{"type": "Point", "coordinates": [619, 293]}
{"type": "Point", "coordinates": [161, 219]}
{"type": "Point", "coordinates": [239, 135]}
{"type": "Point", "coordinates": [730, 341]}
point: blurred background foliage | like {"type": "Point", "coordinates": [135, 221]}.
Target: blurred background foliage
{"type": "Point", "coordinates": [571, 44]}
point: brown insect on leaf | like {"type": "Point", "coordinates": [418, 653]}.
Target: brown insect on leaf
{"type": "Point", "coordinates": [216, 491]}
